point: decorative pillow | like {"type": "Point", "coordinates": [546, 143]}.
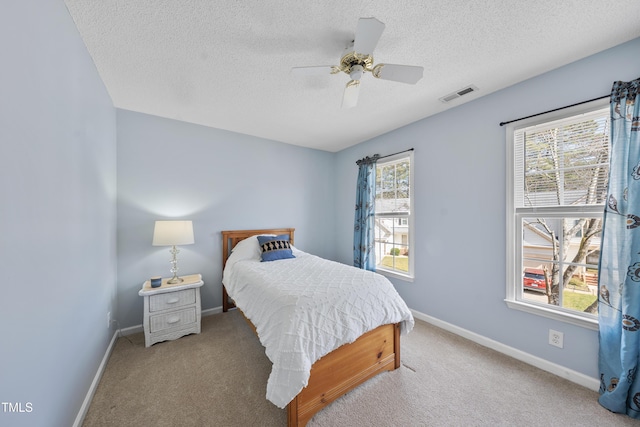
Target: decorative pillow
{"type": "Point", "coordinates": [275, 247]}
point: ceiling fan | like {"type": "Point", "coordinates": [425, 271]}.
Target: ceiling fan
{"type": "Point", "coordinates": [359, 60]}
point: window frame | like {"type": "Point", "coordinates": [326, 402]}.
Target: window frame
{"type": "Point", "coordinates": [410, 216]}
{"type": "Point", "coordinates": [514, 256]}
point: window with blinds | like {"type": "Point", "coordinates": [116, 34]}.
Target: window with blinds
{"type": "Point", "coordinates": [393, 219]}
{"type": "Point", "coordinates": [564, 162]}
{"type": "Point", "coordinates": [558, 170]}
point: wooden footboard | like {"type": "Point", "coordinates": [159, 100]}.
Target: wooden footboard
{"type": "Point", "coordinates": [344, 369]}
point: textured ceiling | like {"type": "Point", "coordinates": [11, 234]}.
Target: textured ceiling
{"type": "Point", "coordinates": [226, 63]}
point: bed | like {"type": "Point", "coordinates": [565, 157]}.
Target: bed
{"type": "Point", "coordinates": [321, 367]}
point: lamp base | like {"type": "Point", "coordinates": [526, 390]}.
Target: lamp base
{"type": "Point", "coordinates": [174, 266]}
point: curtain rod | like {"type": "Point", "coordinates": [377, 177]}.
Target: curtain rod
{"type": "Point", "coordinates": [377, 156]}
{"type": "Point", "coordinates": [556, 109]}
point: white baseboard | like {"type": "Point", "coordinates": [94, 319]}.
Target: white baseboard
{"type": "Point", "coordinates": [131, 330]}
{"type": "Point", "coordinates": [545, 365]}
{"type": "Point", "coordinates": [210, 311]}
{"type": "Point", "coordinates": [94, 384]}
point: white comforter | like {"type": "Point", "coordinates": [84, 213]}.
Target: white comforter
{"type": "Point", "coordinates": [306, 307]}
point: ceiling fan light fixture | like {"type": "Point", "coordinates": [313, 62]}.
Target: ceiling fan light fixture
{"type": "Point", "coordinates": [356, 72]}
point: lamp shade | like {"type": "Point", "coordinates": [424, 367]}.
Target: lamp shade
{"type": "Point", "coordinates": [168, 233]}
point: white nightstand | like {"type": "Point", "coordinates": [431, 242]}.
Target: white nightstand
{"type": "Point", "coordinates": [171, 311]}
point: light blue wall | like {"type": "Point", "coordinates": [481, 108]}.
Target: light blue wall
{"type": "Point", "coordinates": [459, 199]}
{"type": "Point", "coordinates": [221, 181]}
{"type": "Point", "coordinates": [57, 215]}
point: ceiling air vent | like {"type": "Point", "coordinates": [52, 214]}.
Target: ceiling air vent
{"type": "Point", "coordinates": [458, 93]}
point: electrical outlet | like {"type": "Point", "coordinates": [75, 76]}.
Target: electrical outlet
{"type": "Point", "coordinates": [556, 338]}
{"type": "Point", "coordinates": [108, 319]}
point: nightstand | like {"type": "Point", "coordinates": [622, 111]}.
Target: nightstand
{"type": "Point", "coordinates": [171, 311]}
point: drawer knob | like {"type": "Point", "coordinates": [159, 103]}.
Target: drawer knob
{"type": "Point", "coordinates": [172, 320]}
{"type": "Point", "coordinates": [173, 300]}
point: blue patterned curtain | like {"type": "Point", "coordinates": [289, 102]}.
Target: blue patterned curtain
{"type": "Point", "coordinates": [619, 283]}
{"type": "Point", "coordinates": [363, 231]}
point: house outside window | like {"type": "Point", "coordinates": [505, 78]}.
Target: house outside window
{"type": "Point", "coordinates": [394, 219]}
{"type": "Point", "coordinates": [557, 177]}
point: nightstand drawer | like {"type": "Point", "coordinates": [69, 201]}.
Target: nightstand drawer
{"type": "Point", "coordinates": [174, 319]}
{"type": "Point", "coordinates": [171, 300]}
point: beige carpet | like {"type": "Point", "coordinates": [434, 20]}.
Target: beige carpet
{"type": "Point", "coordinates": [218, 378]}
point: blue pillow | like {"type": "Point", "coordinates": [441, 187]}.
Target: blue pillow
{"type": "Point", "coordinates": [275, 247]}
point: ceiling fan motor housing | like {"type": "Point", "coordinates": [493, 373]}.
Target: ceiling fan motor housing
{"type": "Point", "coordinates": [353, 59]}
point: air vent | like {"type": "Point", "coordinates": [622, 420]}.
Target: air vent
{"type": "Point", "coordinates": [459, 93]}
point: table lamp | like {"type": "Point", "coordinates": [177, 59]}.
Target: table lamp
{"type": "Point", "coordinates": [173, 233]}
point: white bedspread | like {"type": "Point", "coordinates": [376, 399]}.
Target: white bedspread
{"type": "Point", "coordinates": [306, 307]}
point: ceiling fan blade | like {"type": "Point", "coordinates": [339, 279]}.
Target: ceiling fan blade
{"type": "Point", "coordinates": [398, 73]}
{"type": "Point", "coordinates": [368, 33]}
{"type": "Point", "coordinates": [313, 71]}
{"type": "Point", "coordinates": [350, 97]}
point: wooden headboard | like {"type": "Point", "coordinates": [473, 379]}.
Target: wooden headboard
{"type": "Point", "coordinates": [231, 237]}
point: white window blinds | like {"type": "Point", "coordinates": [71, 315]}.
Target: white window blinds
{"type": "Point", "coordinates": [562, 163]}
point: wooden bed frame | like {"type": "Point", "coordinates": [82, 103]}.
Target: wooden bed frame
{"type": "Point", "coordinates": [339, 371]}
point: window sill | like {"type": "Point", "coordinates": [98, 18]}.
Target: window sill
{"type": "Point", "coordinates": [553, 314]}
{"type": "Point", "coordinates": [395, 275]}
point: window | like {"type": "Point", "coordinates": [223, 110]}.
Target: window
{"type": "Point", "coordinates": [394, 220]}
{"type": "Point", "coordinates": [557, 176]}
